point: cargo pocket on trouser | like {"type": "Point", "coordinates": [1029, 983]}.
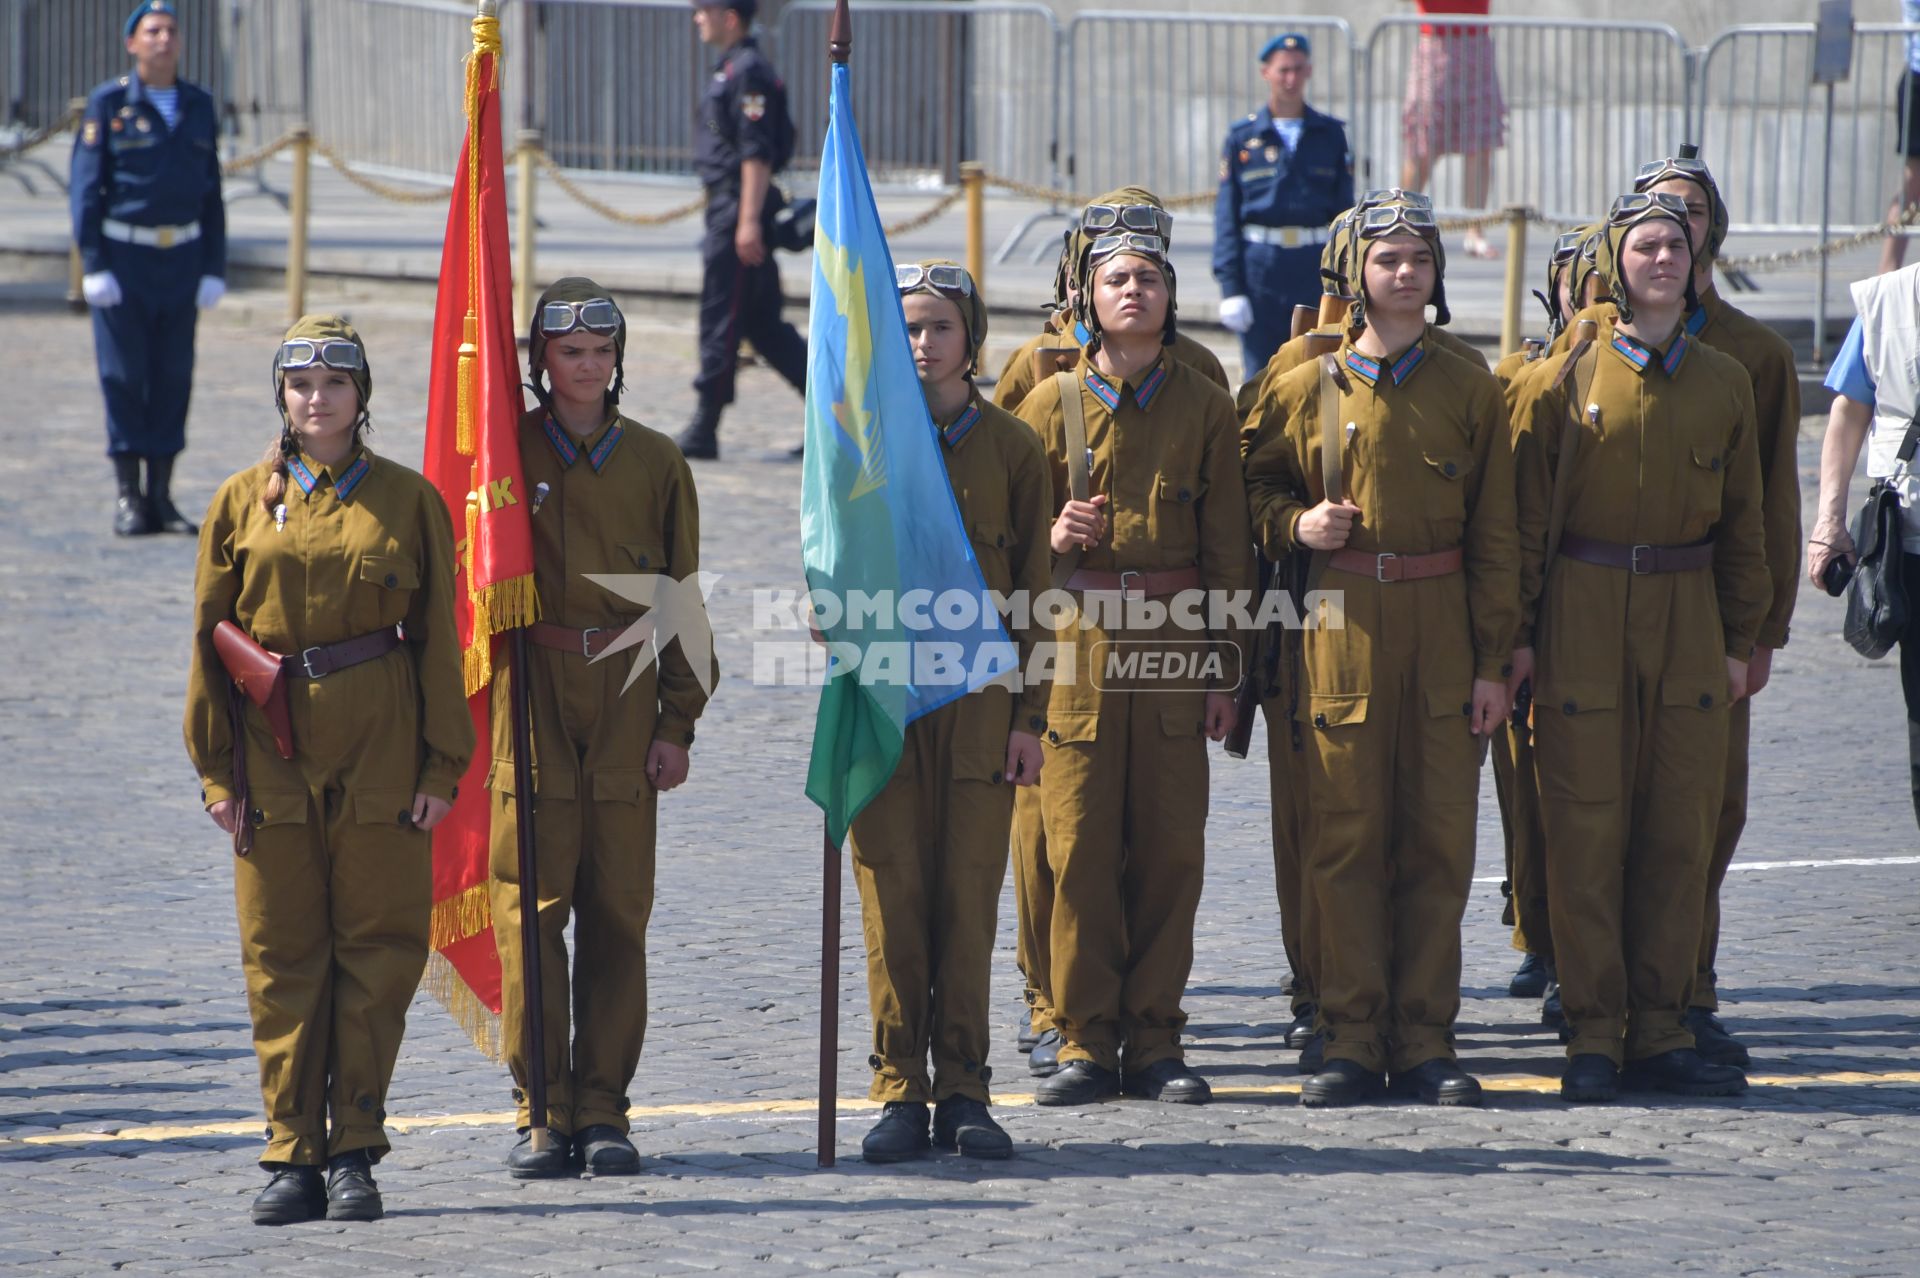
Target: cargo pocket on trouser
{"type": "Point", "coordinates": [1577, 741]}
{"type": "Point", "coordinates": [1340, 777]}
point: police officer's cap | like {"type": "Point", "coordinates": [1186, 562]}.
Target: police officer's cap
{"type": "Point", "coordinates": [146, 7]}
{"type": "Point", "coordinates": [1288, 42]}
{"type": "Point", "coordinates": [745, 8]}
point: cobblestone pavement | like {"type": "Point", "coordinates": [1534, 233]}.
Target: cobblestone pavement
{"type": "Point", "coordinates": [129, 1115]}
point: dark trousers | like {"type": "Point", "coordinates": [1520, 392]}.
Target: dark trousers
{"type": "Point", "coordinates": [144, 348]}
{"type": "Point", "coordinates": [1910, 676]}
{"type": "Point", "coordinates": [1278, 279]}
{"type": "Point", "coordinates": [739, 301]}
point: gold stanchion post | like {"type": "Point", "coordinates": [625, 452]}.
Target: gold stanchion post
{"type": "Point", "coordinates": [973, 180]}
{"type": "Point", "coordinates": [76, 108]}
{"type": "Point", "coordinates": [526, 156]}
{"type": "Point", "coordinates": [1516, 279]}
{"type": "Point", "coordinates": [298, 209]}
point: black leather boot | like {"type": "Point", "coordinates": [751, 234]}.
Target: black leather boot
{"type": "Point", "coordinates": [1711, 1040]}
{"type": "Point", "coordinates": [293, 1195]}
{"type": "Point", "coordinates": [351, 1193]}
{"type": "Point", "coordinates": [525, 1163]}
{"type": "Point", "coordinates": [1436, 1082]}
{"type": "Point", "coordinates": [1530, 979]}
{"type": "Point", "coordinates": [1683, 1073]}
{"type": "Point", "coordinates": [700, 441]}
{"type": "Point", "coordinates": [604, 1150]}
{"type": "Point", "coordinates": [1590, 1077]}
{"type": "Point", "coordinates": [1340, 1082]}
{"type": "Point", "coordinates": [900, 1134]}
{"type": "Point", "coordinates": [130, 518]}
{"type": "Point", "coordinates": [162, 514]}
{"type": "Point", "coordinates": [963, 1125]}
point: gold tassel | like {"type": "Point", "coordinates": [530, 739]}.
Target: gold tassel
{"type": "Point", "coordinates": [481, 1023]}
{"type": "Point", "coordinates": [467, 388]}
{"type": "Point", "coordinates": [459, 917]}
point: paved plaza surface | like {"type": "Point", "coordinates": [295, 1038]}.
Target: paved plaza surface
{"type": "Point", "coordinates": [129, 1113]}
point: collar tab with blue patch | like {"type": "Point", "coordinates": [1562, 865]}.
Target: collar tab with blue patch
{"type": "Point", "coordinates": [1143, 395]}
{"type": "Point", "coordinates": [569, 452]}
{"type": "Point", "coordinates": [1638, 356]}
{"type": "Point", "coordinates": [1369, 368]}
{"type": "Point", "coordinates": [349, 479]}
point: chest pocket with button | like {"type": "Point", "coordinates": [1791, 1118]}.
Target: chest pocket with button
{"type": "Point", "coordinates": [1706, 481]}
{"type": "Point", "coordinates": [1445, 490]}
{"type": "Point", "coordinates": [1176, 517]}
{"type": "Point", "coordinates": [383, 594]}
{"type": "Point", "coordinates": [993, 548]}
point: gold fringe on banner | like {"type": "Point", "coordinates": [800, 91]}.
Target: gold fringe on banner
{"type": "Point", "coordinates": [459, 917]}
{"type": "Point", "coordinates": [480, 1022]}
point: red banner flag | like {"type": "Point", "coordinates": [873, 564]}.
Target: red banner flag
{"type": "Point", "coordinates": [473, 457]}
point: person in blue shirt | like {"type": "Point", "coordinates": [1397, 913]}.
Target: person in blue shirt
{"type": "Point", "coordinates": [1285, 173]}
{"type": "Point", "coordinates": [152, 234]}
{"type": "Point", "coordinates": [1876, 395]}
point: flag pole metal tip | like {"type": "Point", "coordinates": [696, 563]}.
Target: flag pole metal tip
{"type": "Point", "coordinates": [840, 35]}
{"type": "Point", "coordinates": [487, 8]}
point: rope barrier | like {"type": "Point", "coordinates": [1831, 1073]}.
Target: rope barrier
{"type": "Point", "coordinates": [581, 196]}
{"type": "Point", "coordinates": [254, 159]}
{"type": "Point", "coordinates": [40, 135]}
{"type": "Point", "coordinates": [1760, 263]}
{"type": "Point", "coordinates": [939, 206]}
{"type": "Point", "coordinates": [399, 195]}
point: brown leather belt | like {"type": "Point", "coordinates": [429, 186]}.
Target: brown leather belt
{"type": "Point", "coordinates": [324, 659]}
{"type": "Point", "coordinates": [588, 643]}
{"type": "Point", "coordinates": [1639, 560]}
{"type": "Point", "coordinates": [1387, 566]}
{"type": "Point", "coordinates": [1139, 585]}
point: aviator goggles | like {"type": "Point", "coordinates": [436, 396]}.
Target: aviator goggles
{"type": "Point", "coordinates": [1127, 217]}
{"type": "Point", "coordinates": [1396, 195]}
{"type": "Point", "coordinates": [1106, 246]}
{"type": "Point", "coordinates": [1631, 208]}
{"type": "Point", "coordinates": [954, 281]}
{"type": "Point", "coordinates": [341, 356]}
{"type": "Point", "coordinates": [596, 315]}
{"type": "Point", "coordinates": [1383, 220]}
{"type": "Point", "coordinates": [1674, 166]}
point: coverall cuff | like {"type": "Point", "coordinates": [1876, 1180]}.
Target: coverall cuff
{"type": "Point", "coordinates": [1523, 637]}
{"type": "Point", "coordinates": [1740, 648]}
{"type": "Point", "coordinates": [347, 1139]}
{"type": "Point", "coordinates": [439, 780]}
{"type": "Point", "coordinates": [1493, 666]}
{"type": "Point", "coordinates": [674, 729]}
{"type": "Point", "coordinates": [298, 1148]}
{"type": "Point", "coordinates": [1771, 637]}
{"type": "Point", "coordinates": [1291, 537]}
{"type": "Point", "coordinates": [213, 791]}
{"type": "Point", "coordinates": [1031, 714]}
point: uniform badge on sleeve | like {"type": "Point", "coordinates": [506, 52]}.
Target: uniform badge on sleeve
{"type": "Point", "coordinates": [753, 106]}
{"type": "Point", "coordinates": [90, 133]}
{"type": "Point", "coordinates": [1225, 167]}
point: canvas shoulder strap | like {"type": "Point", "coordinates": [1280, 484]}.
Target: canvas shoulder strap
{"type": "Point", "coordinates": [1073, 415]}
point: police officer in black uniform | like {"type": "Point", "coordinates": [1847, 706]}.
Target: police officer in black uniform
{"type": "Point", "coordinates": [1285, 173]}
{"type": "Point", "coordinates": [152, 232]}
{"type": "Point", "coordinates": [745, 137]}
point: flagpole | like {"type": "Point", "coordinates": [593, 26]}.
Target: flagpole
{"type": "Point", "coordinates": [539, 1138]}
{"type": "Point", "coordinates": [839, 48]}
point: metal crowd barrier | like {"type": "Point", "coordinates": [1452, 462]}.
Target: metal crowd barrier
{"type": "Point", "coordinates": [938, 82]}
{"type": "Point", "coordinates": [612, 85]}
{"type": "Point", "coordinates": [1763, 124]}
{"type": "Point", "coordinates": [1150, 95]}
{"type": "Point", "coordinates": [1586, 102]}
{"type": "Point", "coordinates": [52, 51]}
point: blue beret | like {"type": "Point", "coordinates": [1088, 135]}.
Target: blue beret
{"type": "Point", "coordinates": [1291, 41]}
{"type": "Point", "coordinates": [144, 8]}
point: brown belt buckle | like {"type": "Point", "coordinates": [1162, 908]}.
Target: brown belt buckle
{"type": "Point", "coordinates": [1132, 592]}
{"type": "Point", "coordinates": [1380, 568]}
{"type": "Point", "coordinates": [1634, 562]}
{"type": "Point", "coordinates": [586, 641]}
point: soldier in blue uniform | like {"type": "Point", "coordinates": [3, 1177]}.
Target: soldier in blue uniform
{"type": "Point", "coordinates": [152, 232]}
{"type": "Point", "coordinates": [1285, 173]}
{"type": "Point", "coordinates": [745, 137]}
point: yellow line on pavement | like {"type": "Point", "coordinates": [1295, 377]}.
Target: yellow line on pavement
{"type": "Point", "coordinates": [162, 1133]}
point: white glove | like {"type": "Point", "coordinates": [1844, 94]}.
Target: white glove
{"type": "Point", "coordinates": [212, 289]}
{"type": "Point", "coordinates": [1236, 313]}
{"type": "Point", "coordinates": [101, 289]}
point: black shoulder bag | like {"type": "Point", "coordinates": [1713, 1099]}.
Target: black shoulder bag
{"type": "Point", "coordinates": [1878, 610]}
